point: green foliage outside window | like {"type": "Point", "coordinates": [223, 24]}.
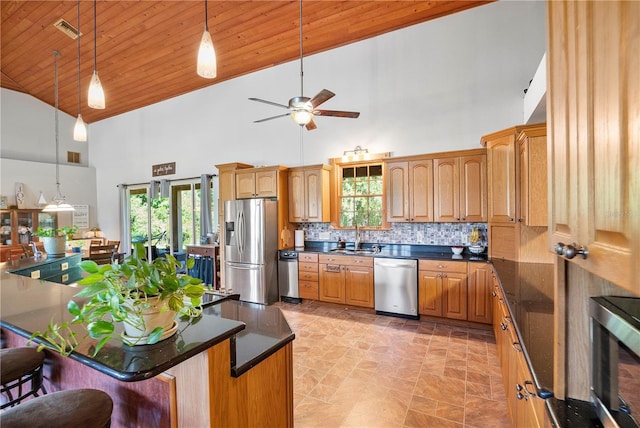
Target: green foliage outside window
{"type": "Point", "coordinates": [361, 196]}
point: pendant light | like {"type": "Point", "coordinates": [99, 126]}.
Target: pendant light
{"type": "Point", "coordinates": [96, 93]}
{"type": "Point", "coordinates": [58, 202]}
{"type": "Point", "coordinates": [207, 66]}
{"type": "Point", "coordinates": [80, 129]}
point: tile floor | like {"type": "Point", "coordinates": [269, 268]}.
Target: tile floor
{"type": "Point", "coordinates": [353, 368]}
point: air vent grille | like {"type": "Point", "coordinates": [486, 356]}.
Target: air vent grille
{"type": "Point", "coordinates": [67, 28]}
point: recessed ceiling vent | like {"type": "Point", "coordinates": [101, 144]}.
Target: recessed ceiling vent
{"type": "Point", "coordinates": [67, 28]}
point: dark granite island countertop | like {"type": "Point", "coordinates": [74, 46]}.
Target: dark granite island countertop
{"type": "Point", "coordinates": [257, 331]}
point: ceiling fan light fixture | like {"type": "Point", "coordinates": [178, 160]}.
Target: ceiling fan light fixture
{"type": "Point", "coordinates": [301, 117]}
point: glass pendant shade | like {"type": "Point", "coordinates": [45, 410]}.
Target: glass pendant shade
{"type": "Point", "coordinates": [58, 203]}
{"type": "Point", "coordinates": [96, 93]}
{"type": "Point", "coordinates": [80, 129]}
{"type": "Point", "coordinates": [207, 66]}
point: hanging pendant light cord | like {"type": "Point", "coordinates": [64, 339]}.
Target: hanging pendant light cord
{"type": "Point", "coordinates": [95, 36]}
{"type": "Point", "coordinates": [56, 54]}
{"type": "Point", "coordinates": [79, 93]}
{"type": "Point", "coordinates": [206, 16]}
{"type": "Point", "coordinates": [301, 66]}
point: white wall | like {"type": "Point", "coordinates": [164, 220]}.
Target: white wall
{"type": "Point", "coordinates": [433, 87]}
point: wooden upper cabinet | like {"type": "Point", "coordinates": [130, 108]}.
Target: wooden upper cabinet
{"type": "Point", "coordinates": [595, 139]}
{"type": "Point", "coordinates": [533, 176]}
{"type": "Point", "coordinates": [257, 184]}
{"type": "Point", "coordinates": [460, 189]}
{"type": "Point", "coordinates": [446, 195]}
{"type": "Point", "coordinates": [409, 190]}
{"type": "Point", "coordinates": [501, 169]}
{"type": "Point", "coordinates": [473, 188]}
{"type": "Point", "coordinates": [309, 194]}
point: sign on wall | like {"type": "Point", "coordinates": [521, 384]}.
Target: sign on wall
{"type": "Point", "coordinates": [163, 169]}
{"type": "Point", "coordinates": [81, 216]}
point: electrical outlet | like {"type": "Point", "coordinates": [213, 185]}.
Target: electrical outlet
{"type": "Point", "coordinates": [324, 236]}
{"type": "Point", "coordinates": [419, 236]}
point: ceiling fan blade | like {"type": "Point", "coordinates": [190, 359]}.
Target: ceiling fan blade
{"type": "Point", "coordinates": [311, 125]}
{"type": "Point", "coordinates": [321, 97]}
{"type": "Point", "coordinates": [337, 113]}
{"type": "Point", "coordinates": [269, 102]}
{"type": "Point", "coordinates": [272, 117]}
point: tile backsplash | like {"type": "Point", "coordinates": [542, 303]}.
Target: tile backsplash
{"type": "Point", "coordinates": [401, 233]}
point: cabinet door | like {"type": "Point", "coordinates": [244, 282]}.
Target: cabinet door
{"type": "Point", "coordinates": [501, 166]}
{"type": "Point", "coordinates": [6, 226]}
{"type": "Point", "coordinates": [331, 283]}
{"type": "Point", "coordinates": [316, 195]}
{"type": "Point", "coordinates": [473, 188]}
{"type": "Point", "coordinates": [397, 177]}
{"type": "Point", "coordinates": [454, 291]}
{"type": "Point", "coordinates": [266, 184]}
{"type": "Point", "coordinates": [430, 293]}
{"type": "Point", "coordinates": [479, 293]}
{"type": "Point", "coordinates": [297, 199]}
{"type": "Point", "coordinates": [421, 190]}
{"type": "Point", "coordinates": [359, 286]}
{"type": "Point", "coordinates": [595, 141]}
{"type": "Point", "coordinates": [446, 190]}
{"type": "Point", "coordinates": [533, 177]}
{"type": "Point", "coordinates": [245, 185]}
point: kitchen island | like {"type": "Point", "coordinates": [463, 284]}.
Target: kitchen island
{"type": "Point", "coordinates": [200, 376]}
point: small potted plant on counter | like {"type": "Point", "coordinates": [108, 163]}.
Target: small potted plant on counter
{"type": "Point", "coordinates": [54, 239]}
{"type": "Point", "coordinates": [144, 296]}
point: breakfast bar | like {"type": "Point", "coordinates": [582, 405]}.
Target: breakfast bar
{"type": "Point", "coordinates": [233, 351]}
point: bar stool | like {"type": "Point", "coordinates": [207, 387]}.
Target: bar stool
{"type": "Point", "coordinates": [86, 408]}
{"type": "Point", "coordinates": [19, 366]}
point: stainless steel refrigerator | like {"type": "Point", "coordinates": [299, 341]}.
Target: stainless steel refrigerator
{"type": "Point", "coordinates": [251, 249]}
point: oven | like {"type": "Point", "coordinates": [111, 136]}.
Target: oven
{"type": "Point", "coordinates": [615, 360]}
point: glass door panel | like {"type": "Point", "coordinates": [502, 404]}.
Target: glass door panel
{"type": "Point", "coordinates": [25, 227]}
{"type": "Point", "coordinates": [5, 228]}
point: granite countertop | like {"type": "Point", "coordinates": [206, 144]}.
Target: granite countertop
{"type": "Point", "coordinates": [409, 251]}
{"type": "Point", "coordinates": [27, 305]}
{"type": "Point", "coordinates": [528, 290]}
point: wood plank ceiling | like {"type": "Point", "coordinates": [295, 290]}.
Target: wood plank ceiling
{"type": "Point", "coordinates": [146, 50]}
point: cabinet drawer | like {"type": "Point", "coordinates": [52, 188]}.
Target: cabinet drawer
{"type": "Point", "coordinates": [307, 267]}
{"type": "Point", "coordinates": [359, 261]}
{"type": "Point", "coordinates": [443, 266]}
{"type": "Point", "coordinates": [308, 290]}
{"type": "Point", "coordinates": [308, 276]}
{"type": "Point", "coordinates": [201, 251]}
{"type": "Point", "coordinates": [333, 260]}
{"type": "Point", "coordinates": [308, 257]}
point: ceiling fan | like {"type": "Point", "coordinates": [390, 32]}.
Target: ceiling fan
{"type": "Point", "coordinates": [303, 109]}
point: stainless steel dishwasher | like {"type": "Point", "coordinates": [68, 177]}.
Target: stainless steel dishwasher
{"type": "Point", "coordinates": [396, 287]}
{"type": "Point", "coordinates": [288, 276]}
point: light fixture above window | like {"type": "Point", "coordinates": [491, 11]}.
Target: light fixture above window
{"type": "Point", "coordinates": [80, 129]}
{"type": "Point", "coordinates": [357, 154]}
{"type": "Point", "coordinates": [207, 66]}
{"type": "Point", "coordinates": [96, 93]}
{"type": "Point", "coordinates": [58, 203]}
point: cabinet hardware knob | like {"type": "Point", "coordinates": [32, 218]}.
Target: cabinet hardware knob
{"type": "Point", "coordinates": [511, 220]}
{"type": "Point", "coordinates": [406, 219]}
{"type": "Point", "coordinates": [442, 266]}
{"type": "Point", "coordinates": [570, 251]}
{"type": "Point", "coordinates": [559, 249]}
{"type": "Point", "coordinates": [494, 294]}
{"type": "Point", "coordinates": [517, 346]}
{"type": "Point", "coordinates": [520, 395]}
{"type": "Point", "coordinates": [503, 326]}
{"type": "Point", "coordinates": [444, 275]}
{"type": "Point", "coordinates": [464, 218]}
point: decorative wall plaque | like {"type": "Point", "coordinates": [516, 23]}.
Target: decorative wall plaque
{"type": "Point", "coordinates": [163, 169]}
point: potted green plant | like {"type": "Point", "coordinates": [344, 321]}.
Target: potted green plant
{"type": "Point", "coordinates": [127, 293]}
{"type": "Point", "coordinates": [54, 239]}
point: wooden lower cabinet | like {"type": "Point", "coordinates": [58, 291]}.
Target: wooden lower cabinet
{"type": "Point", "coordinates": [525, 407]}
{"type": "Point", "coordinates": [346, 280]}
{"type": "Point", "coordinates": [308, 276]}
{"type": "Point", "coordinates": [442, 289]}
{"type": "Point", "coordinates": [479, 293]}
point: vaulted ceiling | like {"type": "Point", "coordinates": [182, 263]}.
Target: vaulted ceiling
{"type": "Point", "coordinates": [147, 49]}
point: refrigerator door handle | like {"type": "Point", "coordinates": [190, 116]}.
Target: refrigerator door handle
{"type": "Point", "coordinates": [242, 231]}
{"type": "Point", "coordinates": [242, 266]}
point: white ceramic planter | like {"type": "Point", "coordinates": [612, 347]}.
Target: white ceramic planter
{"type": "Point", "coordinates": [54, 246]}
{"type": "Point", "coordinates": [152, 317]}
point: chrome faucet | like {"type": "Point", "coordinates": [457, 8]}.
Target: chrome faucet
{"type": "Point", "coordinates": [357, 240]}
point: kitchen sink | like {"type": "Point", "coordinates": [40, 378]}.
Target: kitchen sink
{"type": "Point", "coordinates": [350, 251]}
